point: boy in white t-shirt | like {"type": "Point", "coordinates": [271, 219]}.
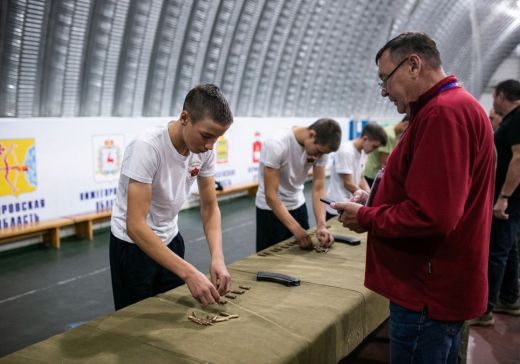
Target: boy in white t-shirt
{"type": "Point", "coordinates": [285, 162]}
{"type": "Point", "coordinates": [159, 167]}
{"type": "Point", "coordinates": [346, 175]}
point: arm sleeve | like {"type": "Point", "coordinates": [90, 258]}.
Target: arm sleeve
{"type": "Point", "coordinates": [272, 154]}
{"type": "Point", "coordinates": [322, 161]}
{"type": "Point", "coordinates": [140, 162]}
{"type": "Point", "coordinates": [436, 186]}
{"type": "Point", "coordinates": [208, 165]}
{"type": "Point", "coordinates": [344, 162]}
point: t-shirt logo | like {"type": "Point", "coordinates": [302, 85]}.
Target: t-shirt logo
{"type": "Point", "coordinates": [194, 169]}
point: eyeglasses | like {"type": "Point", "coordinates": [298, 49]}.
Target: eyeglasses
{"type": "Point", "coordinates": [382, 84]}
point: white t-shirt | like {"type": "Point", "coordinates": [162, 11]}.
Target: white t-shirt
{"type": "Point", "coordinates": [152, 159]}
{"type": "Point", "coordinates": [283, 152]}
{"type": "Point", "coordinates": [347, 160]}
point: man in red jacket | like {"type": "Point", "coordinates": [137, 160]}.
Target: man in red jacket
{"type": "Point", "coordinates": [429, 219]}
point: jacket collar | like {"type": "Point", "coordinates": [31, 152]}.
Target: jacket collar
{"type": "Point", "coordinates": [416, 106]}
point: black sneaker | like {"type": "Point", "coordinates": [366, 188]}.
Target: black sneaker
{"type": "Point", "coordinates": [486, 319]}
{"type": "Point", "coordinates": [508, 308]}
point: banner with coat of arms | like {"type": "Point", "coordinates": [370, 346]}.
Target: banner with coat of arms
{"type": "Point", "coordinates": [108, 155]}
{"type": "Point", "coordinates": [17, 166]}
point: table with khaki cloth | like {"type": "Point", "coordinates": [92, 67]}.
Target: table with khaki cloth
{"type": "Point", "coordinates": [320, 321]}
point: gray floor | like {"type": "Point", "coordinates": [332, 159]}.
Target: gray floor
{"type": "Point", "coordinates": [46, 292]}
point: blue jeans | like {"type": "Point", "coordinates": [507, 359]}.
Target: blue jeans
{"type": "Point", "coordinates": [503, 261]}
{"type": "Point", "coordinates": [415, 338]}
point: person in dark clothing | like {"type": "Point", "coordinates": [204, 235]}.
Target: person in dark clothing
{"type": "Point", "coordinates": [503, 250]}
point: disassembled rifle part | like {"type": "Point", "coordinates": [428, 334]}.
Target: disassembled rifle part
{"type": "Point", "coordinates": [209, 320]}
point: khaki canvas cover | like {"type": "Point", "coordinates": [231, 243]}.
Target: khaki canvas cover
{"type": "Point", "coordinates": [319, 321]}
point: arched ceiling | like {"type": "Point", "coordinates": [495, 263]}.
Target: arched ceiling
{"type": "Point", "coordinates": [270, 57]}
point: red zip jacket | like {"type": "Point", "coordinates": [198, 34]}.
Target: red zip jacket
{"type": "Point", "coordinates": [429, 224]}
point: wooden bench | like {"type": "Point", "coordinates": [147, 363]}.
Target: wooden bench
{"type": "Point", "coordinates": [84, 223]}
{"type": "Point", "coordinates": [50, 229]}
{"type": "Point", "coordinates": [249, 188]}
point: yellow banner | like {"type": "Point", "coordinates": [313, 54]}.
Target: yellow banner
{"type": "Point", "coordinates": [17, 166]}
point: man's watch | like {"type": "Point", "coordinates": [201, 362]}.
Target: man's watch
{"type": "Point", "coordinates": [505, 197]}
